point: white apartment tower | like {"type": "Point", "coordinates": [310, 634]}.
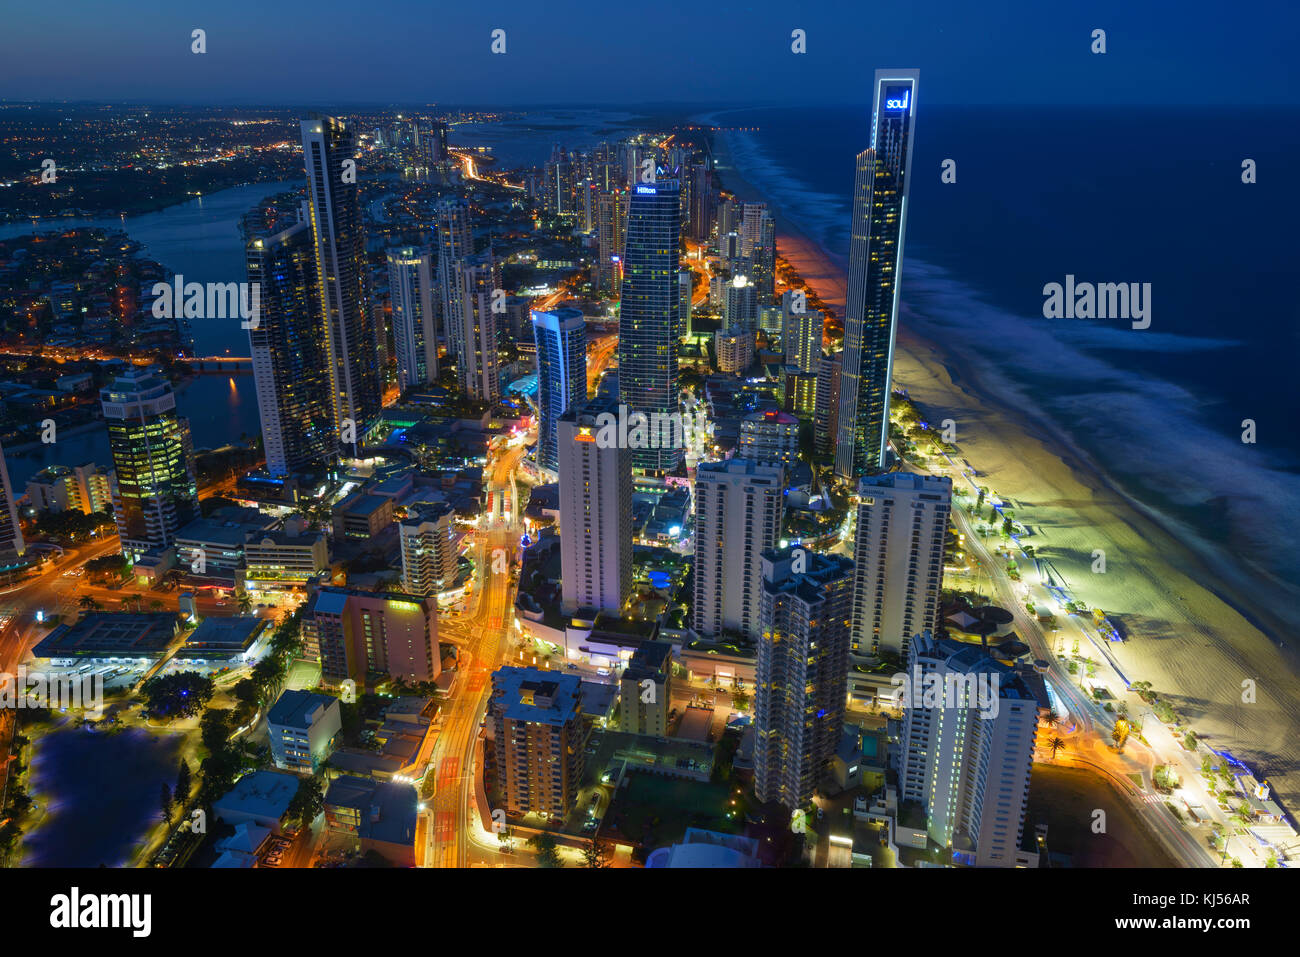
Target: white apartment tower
{"type": "Point", "coordinates": [411, 273]}
{"type": "Point", "coordinates": [738, 505]}
{"type": "Point", "coordinates": [477, 364]}
{"type": "Point", "coordinates": [967, 760]}
{"type": "Point", "coordinates": [428, 550]}
{"type": "Point", "coordinates": [802, 332]}
{"type": "Point", "coordinates": [902, 523]}
{"type": "Point", "coordinates": [595, 514]}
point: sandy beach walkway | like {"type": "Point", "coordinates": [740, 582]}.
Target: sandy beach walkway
{"type": "Point", "coordinates": [1185, 635]}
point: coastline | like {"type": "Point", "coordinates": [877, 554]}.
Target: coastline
{"type": "Point", "coordinates": [1190, 635]}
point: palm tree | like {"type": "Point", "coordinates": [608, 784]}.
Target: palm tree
{"type": "Point", "coordinates": [87, 602]}
{"type": "Point", "coordinates": [155, 604]}
{"type": "Point", "coordinates": [245, 604]}
{"type": "Point", "coordinates": [1056, 745]}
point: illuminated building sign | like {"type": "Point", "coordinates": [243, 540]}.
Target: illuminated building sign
{"type": "Point", "coordinates": [896, 102]}
{"type": "Point", "coordinates": [646, 189]}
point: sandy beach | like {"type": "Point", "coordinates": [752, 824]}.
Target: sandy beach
{"type": "Point", "coordinates": [1186, 634]}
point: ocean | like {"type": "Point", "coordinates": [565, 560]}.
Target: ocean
{"type": "Point", "coordinates": [1118, 195]}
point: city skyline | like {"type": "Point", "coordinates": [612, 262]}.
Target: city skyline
{"type": "Point", "coordinates": [392, 484]}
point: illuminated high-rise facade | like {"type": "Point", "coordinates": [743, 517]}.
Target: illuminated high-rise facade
{"type": "Point", "coordinates": [875, 259]}
{"type": "Point", "coordinates": [11, 533]}
{"type": "Point", "coordinates": [648, 313]}
{"type": "Point", "coordinates": [411, 272]}
{"type": "Point", "coordinates": [154, 492]}
{"type": "Point", "coordinates": [477, 280]}
{"type": "Point", "coordinates": [329, 153]}
{"type": "Point", "coordinates": [561, 338]}
{"type": "Point", "coordinates": [290, 360]}
{"type": "Point", "coordinates": [801, 672]}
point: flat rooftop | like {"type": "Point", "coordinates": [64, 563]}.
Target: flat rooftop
{"type": "Point", "coordinates": [111, 634]}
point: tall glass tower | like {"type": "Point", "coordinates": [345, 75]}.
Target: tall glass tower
{"type": "Point", "coordinates": [875, 258]}
{"type": "Point", "coordinates": [11, 532]}
{"type": "Point", "coordinates": [411, 272]}
{"type": "Point", "coordinates": [154, 491]}
{"type": "Point", "coordinates": [290, 361]}
{"type": "Point", "coordinates": [648, 314]}
{"type": "Point", "coordinates": [329, 151]}
{"type": "Point", "coordinates": [561, 337]}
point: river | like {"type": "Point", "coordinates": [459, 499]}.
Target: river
{"type": "Point", "coordinates": [199, 239]}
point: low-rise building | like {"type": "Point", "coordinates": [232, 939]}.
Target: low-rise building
{"type": "Point", "coordinates": [273, 558]}
{"type": "Point", "coordinates": [224, 639]}
{"type": "Point", "coordinates": [646, 690]}
{"type": "Point", "coordinates": [301, 726]}
{"type": "Point", "coordinates": [260, 797]}
{"type": "Point", "coordinates": [379, 815]}
{"type": "Point", "coordinates": [362, 515]}
{"type": "Point", "coordinates": [112, 636]}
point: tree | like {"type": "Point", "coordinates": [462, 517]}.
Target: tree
{"type": "Point", "coordinates": [183, 782]}
{"type": "Point", "coordinates": [507, 838]}
{"type": "Point", "coordinates": [214, 729]}
{"type": "Point", "coordinates": [308, 801]}
{"type": "Point", "coordinates": [544, 845]}
{"type": "Point", "coordinates": [1119, 734]}
{"type": "Point", "coordinates": [1056, 745]}
{"type": "Point", "coordinates": [179, 695]}
{"type": "Point", "coordinates": [596, 853]}
{"type": "Point", "coordinates": [88, 603]}
{"type": "Point", "coordinates": [165, 801]}
{"type": "Point", "coordinates": [245, 604]}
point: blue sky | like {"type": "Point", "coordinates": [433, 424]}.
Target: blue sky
{"type": "Point", "coordinates": [712, 53]}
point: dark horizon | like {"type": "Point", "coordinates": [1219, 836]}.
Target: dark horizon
{"type": "Point", "coordinates": [554, 55]}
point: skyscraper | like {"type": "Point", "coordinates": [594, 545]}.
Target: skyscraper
{"type": "Point", "coordinates": [827, 417]}
{"type": "Point", "coordinates": [329, 151]}
{"type": "Point", "coordinates": [758, 245]}
{"type": "Point", "coordinates": [455, 241]}
{"type": "Point", "coordinates": [290, 359]}
{"type": "Point", "coordinates": [11, 533]}
{"type": "Point", "coordinates": [561, 337]}
{"type": "Point", "coordinates": [967, 761]}
{"type": "Point", "coordinates": [428, 550]}
{"type": "Point", "coordinates": [703, 200]}
{"type": "Point", "coordinates": [648, 313]}
{"type": "Point", "coordinates": [902, 524]}
{"type": "Point", "coordinates": [154, 492]}
{"type": "Point", "coordinates": [536, 720]}
{"type": "Point", "coordinates": [595, 513]}
{"type": "Point", "coordinates": [477, 280]}
{"type": "Point", "coordinates": [611, 236]}
{"type": "Point", "coordinates": [738, 505]}
{"type": "Point", "coordinates": [801, 675]}
{"type": "Point", "coordinates": [801, 336]}
{"type": "Point", "coordinates": [411, 273]}
{"type": "Point", "coordinates": [558, 189]}
{"type": "Point", "coordinates": [875, 260]}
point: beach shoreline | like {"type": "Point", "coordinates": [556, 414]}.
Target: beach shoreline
{"type": "Point", "coordinates": [1190, 634]}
